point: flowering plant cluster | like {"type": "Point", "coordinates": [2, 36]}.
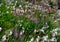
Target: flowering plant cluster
{"type": "Point", "coordinates": [27, 22]}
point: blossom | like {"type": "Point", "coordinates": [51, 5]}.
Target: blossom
{"type": "Point", "coordinates": [54, 7]}
{"type": "Point", "coordinates": [46, 10]}
{"type": "Point", "coordinates": [22, 10]}
{"type": "Point", "coordinates": [10, 33]}
{"type": "Point", "coordinates": [42, 30]}
{"type": "Point", "coordinates": [4, 38]}
{"type": "Point", "coordinates": [30, 10]}
{"type": "Point", "coordinates": [21, 35]}
{"type": "Point", "coordinates": [46, 24]}
{"type": "Point", "coordinates": [35, 19]}
{"type": "Point", "coordinates": [37, 39]}
{"type": "Point", "coordinates": [15, 33]}
{"type": "Point", "coordinates": [20, 5]}
{"type": "Point", "coordinates": [20, 14]}
{"type": "Point", "coordinates": [53, 14]}
{"type": "Point", "coordinates": [32, 39]}
{"type": "Point", "coordinates": [53, 39]}
{"type": "Point", "coordinates": [49, 8]}
{"type": "Point", "coordinates": [44, 15]}
{"type": "Point", "coordinates": [17, 10]}
{"type": "Point", "coordinates": [39, 7]}
{"type": "Point", "coordinates": [45, 38]}
{"type": "Point", "coordinates": [0, 29]}
{"type": "Point", "coordinates": [35, 30]}
{"type": "Point", "coordinates": [28, 16]}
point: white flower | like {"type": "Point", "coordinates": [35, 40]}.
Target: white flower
{"type": "Point", "coordinates": [56, 33]}
{"type": "Point", "coordinates": [58, 12]}
{"type": "Point", "coordinates": [21, 33]}
{"type": "Point", "coordinates": [20, 6]}
{"type": "Point", "coordinates": [53, 34]}
{"type": "Point", "coordinates": [10, 32]}
{"type": "Point", "coordinates": [53, 39]}
{"type": "Point", "coordinates": [23, 28]}
{"type": "Point", "coordinates": [37, 39]}
{"type": "Point", "coordinates": [45, 38]}
{"type": "Point", "coordinates": [0, 29]}
{"type": "Point", "coordinates": [57, 20]}
{"type": "Point", "coordinates": [4, 38]}
{"type": "Point", "coordinates": [16, 1]}
{"type": "Point", "coordinates": [42, 30]}
{"type": "Point", "coordinates": [56, 29]}
{"type": "Point", "coordinates": [32, 39]}
{"type": "Point", "coordinates": [35, 30]}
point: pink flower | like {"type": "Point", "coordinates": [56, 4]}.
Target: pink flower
{"type": "Point", "coordinates": [45, 10]}
{"type": "Point", "coordinates": [54, 7]}
{"type": "Point", "coordinates": [22, 10]}
{"type": "Point", "coordinates": [20, 14]}
{"type": "Point", "coordinates": [17, 10]}
{"type": "Point", "coordinates": [39, 7]}
{"type": "Point", "coordinates": [42, 18]}
{"type": "Point", "coordinates": [28, 16]}
{"type": "Point", "coordinates": [35, 19]}
{"type": "Point", "coordinates": [52, 14]}
{"type": "Point", "coordinates": [44, 15]}
{"type": "Point", "coordinates": [15, 33]}
{"type": "Point", "coordinates": [30, 10]}
{"type": "Point", "coordinates": [49, 8]}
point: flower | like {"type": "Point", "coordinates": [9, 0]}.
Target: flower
{"type": "Point", "coordinates": [29, 10]}
{"type": "Point", "coordinates": [46, 24]}
{"type": "Point", "coordinates": [4, 38]}
{"type": "Point", "coordinates": [54, 7]}
{"type": "Point", "coordinates": [45, 10]}
{"type": "Point", "coordinates": [37, 39]}
{"type": "Point", "coordinates": [42, 30]}
{"type": "Point", "coordinates": [35, 30]}
{"type": "Point", "coordinates": [44, 15]}
{"type": "Point", "coordinates": [39, 7]}
{"type": "Point", "coordinates": [15, 33]}
{"type": "Point", "coordinates": [53, 15]}
{"type": "Point", "coordinates": [28, 16]}
{"type": "Point", "coordinates": [45, 38]}
{"type": "Point", "coordinates": [35, 19]}
{"type": "Point", "coordinates": [20, 5]}
{"type": "Point", "coordinates": [49, 8]}
{"type": "Point", "coordinates": [22, 10]}
{"type": "Point", "coordinates": [21, 35]}
{"type": "Point", "coordinates": [10, 32]}
{"type": "Point", "coordinates": [53, 39]}
{"type": "Point", "coordinates": [32, 39]}
{"type": "Point", "coordinates": [0, 29]}
{"type": "Point", "coordinates": [17, 10]}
